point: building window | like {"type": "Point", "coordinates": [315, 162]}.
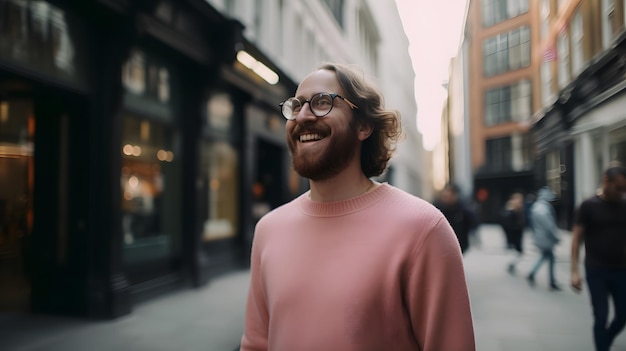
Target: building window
{"type": "Point", "coordinates": [577, 43]}
{"type": "Point", "coordinates": [553, 171]}
{"type": "Point", "coordinates": [219, 169]}
{"type": "Point", "coordinates": [507, 51]}
{"type": "Point", "coordinates": [563, 57]}
{"type": "Point", "coordinates": [509, 103]}
{"type": "Point", "coordinates": [496, 11]}
{"type": "Point", "coordinates": [336, 8]}
{"type": "Point", "coordinates": [220, 180]}
{"type": "Point", "coordinates": [617, 145]}
{"type": "Point", "coordinates": [610, 23]}
{"type": "Point", "coordinates": [498, 154]}
{"type": "Point", "coordinates": [151, 171]}
{"type": "Point", "coordinates": [150, 190]}
{"type": "Point", "coordinates": [511, 153]}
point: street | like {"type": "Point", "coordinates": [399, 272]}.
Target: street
{"type": "Point", "coordinates": [509, 315]}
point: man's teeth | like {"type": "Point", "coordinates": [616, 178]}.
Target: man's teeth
{"type": "Point", "coordinates": [310, 137]}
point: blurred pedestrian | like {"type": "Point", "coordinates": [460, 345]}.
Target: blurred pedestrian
{"type": "Point", "coordinates": [461, 216]}
{"type": "Point", "coordinates": [601, 224]}
{"type": "Point", "coordinates": [513, 224]}
{"type": "Point", "coordinates": [352, 263]}
{"type": "Point", "coordinates": [545, 233]}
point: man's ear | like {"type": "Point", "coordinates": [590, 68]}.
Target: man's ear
{"type": "Point", "coordinates": [365, 130]}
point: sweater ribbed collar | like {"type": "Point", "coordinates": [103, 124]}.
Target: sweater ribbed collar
{"type": "Point", "coordinates": [343, 207]}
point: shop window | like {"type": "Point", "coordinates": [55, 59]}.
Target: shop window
{"type": "Point", "coordinates": [219, 113]}
{"type": "Point", "coordinates": [147, 84]}
{"type": "Point", "coordinates": [554, 169]}
{"type": "Point", "coordinates": [617, 145]}
{"type": "Point", "coordinates": [42, 37]}
{"type": "Point", "coordinates": [220, 178]}
{"type": "Point", "coordinates": [150, 183]}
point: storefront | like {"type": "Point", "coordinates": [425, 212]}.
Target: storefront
{"type": "Point", "coordinates": [584, 131]}
{"type": "Point", "coordinates": [126, 164]}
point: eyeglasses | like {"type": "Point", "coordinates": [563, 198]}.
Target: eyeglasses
{"type": "Point", "coordinates": [320, 105]}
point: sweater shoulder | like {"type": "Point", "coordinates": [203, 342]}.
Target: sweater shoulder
{"type": "Point", "coordinates": [410, 209]}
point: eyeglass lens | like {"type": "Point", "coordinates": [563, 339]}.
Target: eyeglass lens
{"type": "Point", "coordinates": [320, 105]}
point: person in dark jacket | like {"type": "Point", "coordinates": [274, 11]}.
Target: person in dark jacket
{"type": "Point", "coordinates": [513, 223]}
{"type": "Point", "coordinates": [461, 216]}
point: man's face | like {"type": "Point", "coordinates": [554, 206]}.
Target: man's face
{"type": "Point", "coordinates": [322, 147]}
{"type": "Point", "coordinates": [615, 190]}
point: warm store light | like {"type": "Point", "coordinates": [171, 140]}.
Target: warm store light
{"type": "Point", "coordinates": [257, 67]}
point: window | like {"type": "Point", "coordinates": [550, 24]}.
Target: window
{"type": "Point", "coordinates": [609, 22]}
{"type": "Point", "coordinates": [617, 145]}
{"type": "Point", "coordinates": [577, 43]}
{"type": "Point", "coordinates": [508, 153]}
{"type": "Point", "coordinates": [563, 56]}
{"type": "Point", "coordinates": [336, 8]}
{"type": "Point", "coordinates": [553, 171]}
{"type": "Point", "coordinates": [150, 190]}
{"type": "Point", "coordinates": [220, 182]}
{"type": "Point", "coordinates": [496, 11]}
{"type": "Point", "coordinates": [507, 104]}
{"type": "Point", "coordinates": [219, 169]}
{"type": "Point", "coordinates": [151, 172]}
{"type": "Point", "coordinates": [507, 51]}
{"type": "Point", "coordinates": [498, 154]}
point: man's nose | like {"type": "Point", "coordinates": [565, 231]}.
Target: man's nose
{"type": "Point", "coordinates": [305, 114]}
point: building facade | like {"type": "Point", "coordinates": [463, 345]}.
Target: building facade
{"type": "Point", "coordinates": [128, 153]}
{"type": "Point", "coordinates": [581, 127]}
{"type": "Point", "coordinates": [551, 83]}
{"type": "Point", "coordinates": [491, 98]}
{"type": "Point", "coordinates": [136, 158]}
{"type": "Point", "coordinates": [300, 35]}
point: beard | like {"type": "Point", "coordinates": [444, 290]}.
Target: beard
{"type": "Point", "coordinates": [323, 165]}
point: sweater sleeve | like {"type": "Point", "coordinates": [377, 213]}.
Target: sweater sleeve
{"type": "Point", "coordinates": [436, 293]}
{"type": "Point", "coordinates": [256, 324]}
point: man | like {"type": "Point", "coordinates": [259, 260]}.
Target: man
{"type": "Point", "coordinates": [513, 224]}
{"type": "Point", "coordinates": [545, 233]}
{"type": "Point", "coordinates": [601, 224]}
{"type": "Point", "coordinates": [461, 217]}
{"type": "Point", "coordinates": [352, 264]}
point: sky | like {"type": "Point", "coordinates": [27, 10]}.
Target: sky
{"type": "Point", "coordinates": [433, 28]}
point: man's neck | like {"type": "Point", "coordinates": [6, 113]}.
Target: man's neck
{"type": "Point", "coordinates": [344, 186]}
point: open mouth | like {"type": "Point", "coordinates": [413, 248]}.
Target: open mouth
{"type": "Point", "coordinates": [304, 138]}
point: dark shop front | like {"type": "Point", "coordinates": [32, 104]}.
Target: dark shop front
{"type": "Point", "coordinates": [128, 152]}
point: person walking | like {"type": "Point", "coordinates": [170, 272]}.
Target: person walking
{"type": "Point", "coordinates": [600, 223]}
{"type": "Point", "coordinates": [352, 264]}
{"type": "Point", "coordinates": [513, 224]}
{"type": "Point", "coordinates": [545, 233]}
{"type": "Point", "coordinates": [461, 216]}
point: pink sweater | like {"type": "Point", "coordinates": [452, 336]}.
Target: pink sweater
{"type": "Point", "coordinates": [381, 271]}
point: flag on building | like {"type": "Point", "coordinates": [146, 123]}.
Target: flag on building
{"type": "Point", "coordinates": [549, 54]}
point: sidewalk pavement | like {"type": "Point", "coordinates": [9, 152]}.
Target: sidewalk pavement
{"type": "Point", "coordinates": [509, 315]}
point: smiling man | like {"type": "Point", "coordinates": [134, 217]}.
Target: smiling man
{"type": "Point", "coordinates": [352, 264]}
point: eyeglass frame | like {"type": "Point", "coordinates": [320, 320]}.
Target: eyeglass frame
{"type": "Point", "coordinates": [332, 104]}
